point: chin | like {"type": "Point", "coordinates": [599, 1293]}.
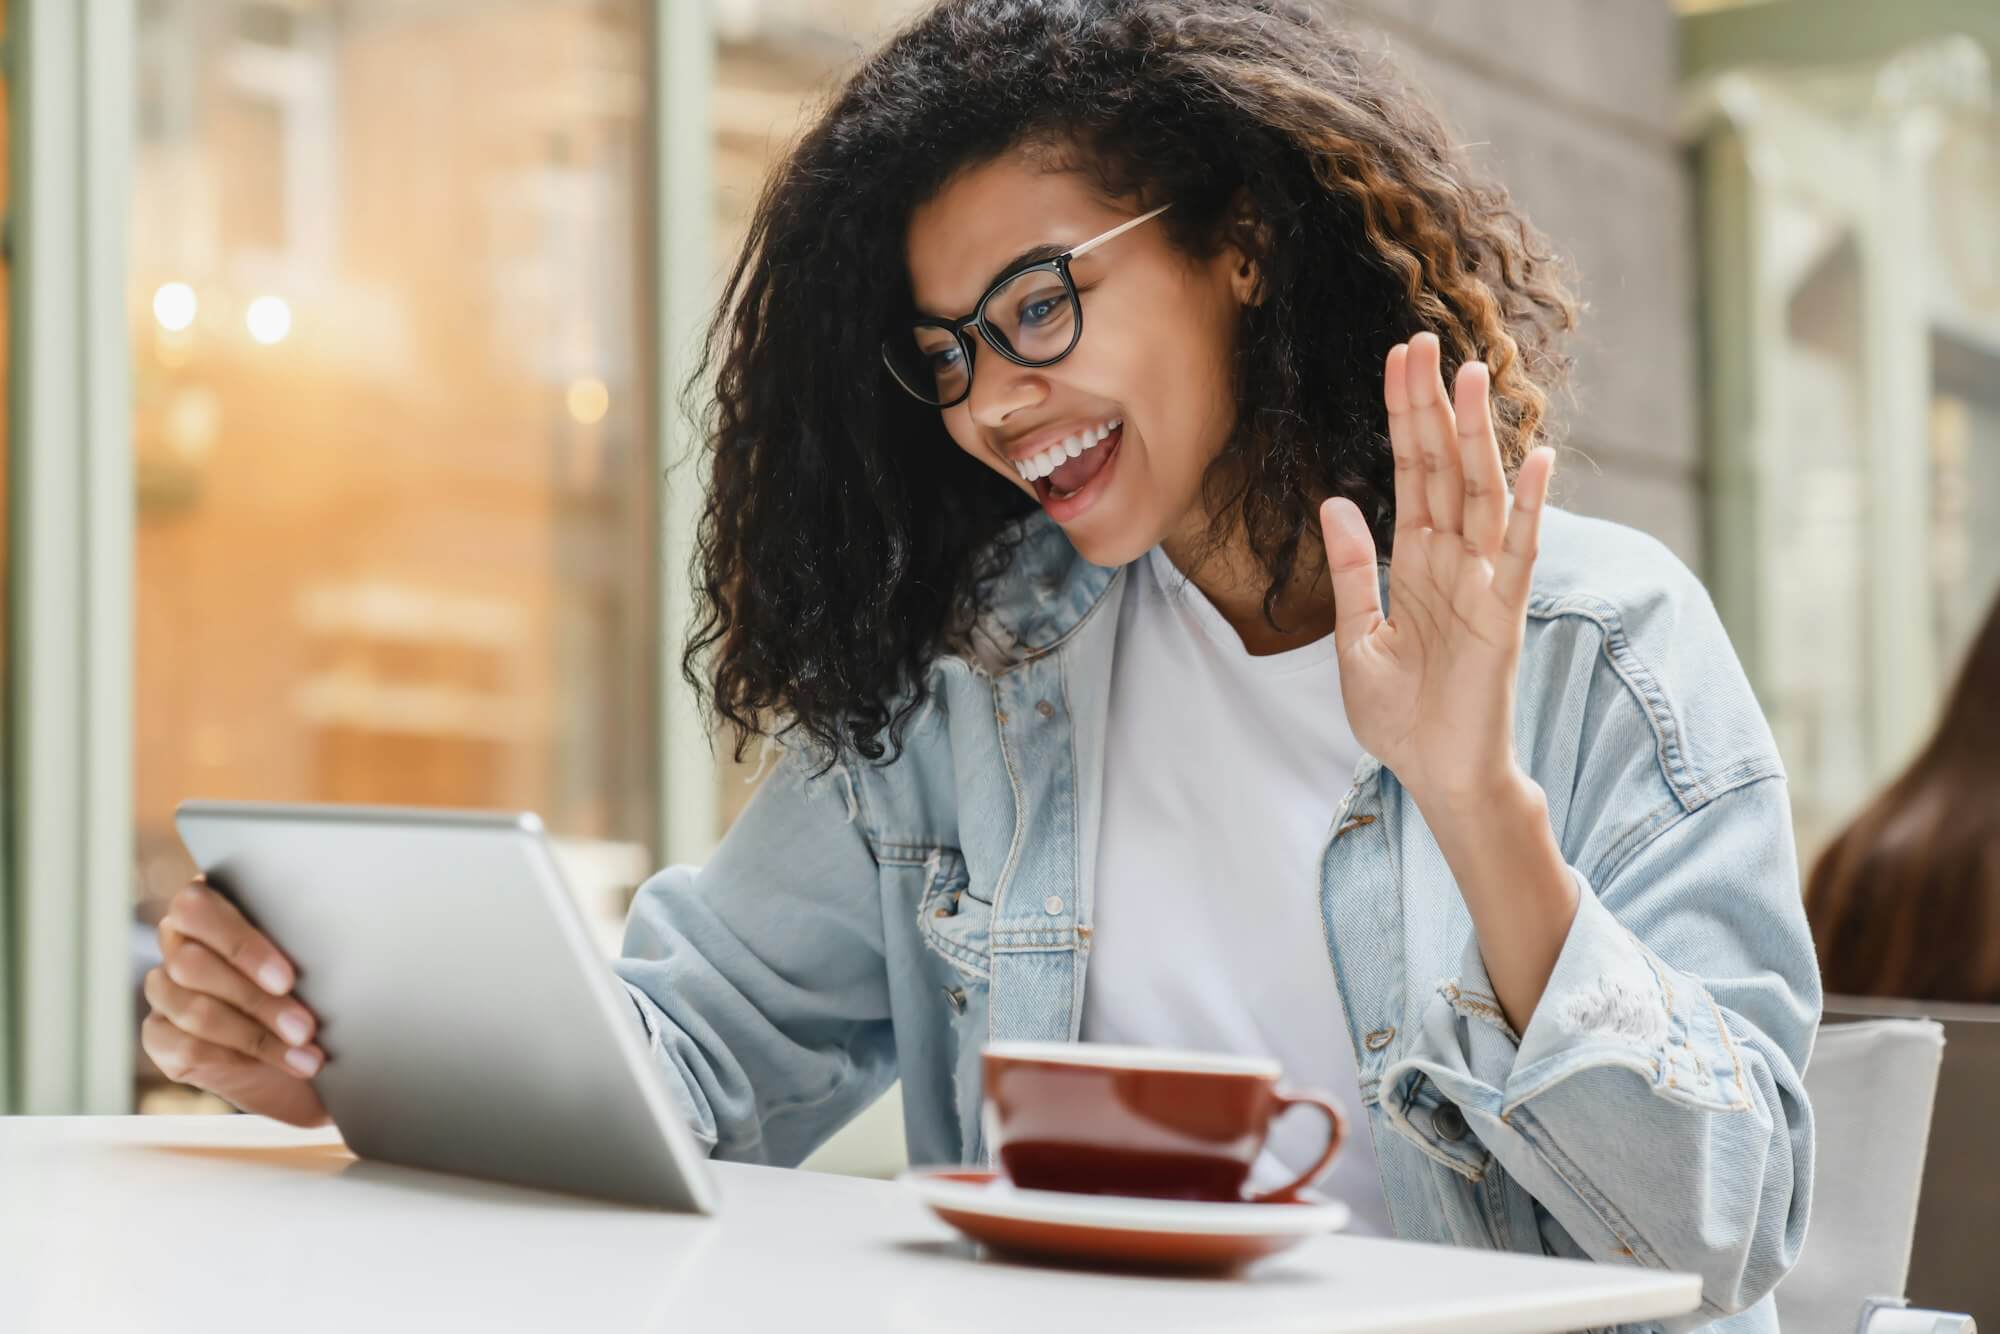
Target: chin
{"type": "Point", "coordinates": [1112, 545]}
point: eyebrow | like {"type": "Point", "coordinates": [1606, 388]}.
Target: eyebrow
{"type": "Point", "coordinates": [1034, 254]}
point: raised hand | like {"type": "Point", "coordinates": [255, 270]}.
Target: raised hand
{"type": "Point", "coordinates": [1429, 689]}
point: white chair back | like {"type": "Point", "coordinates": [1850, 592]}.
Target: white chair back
{"type": "Point", "coordinates": [1871, 1084]}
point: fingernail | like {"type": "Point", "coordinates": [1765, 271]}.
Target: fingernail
{"type": "Point", "coordinates": [167, 923]}
{"type": "Point", "coordinates": [303, 1061]}
{"type": "Point", "coordinates": [292, 1027]}
{"type": "Point", "coordinates": [273, 979]}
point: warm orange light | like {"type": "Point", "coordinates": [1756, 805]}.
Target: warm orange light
{"type": "Point", "coordinates": [269, 319]}
{"type": "Point", "coordinates": [174, 306]}
{"type": "Point", "coordinates": [588, 399]}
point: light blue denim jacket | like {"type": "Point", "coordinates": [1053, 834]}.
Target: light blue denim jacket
{"type": "Point", "coordinates": [883, 921]}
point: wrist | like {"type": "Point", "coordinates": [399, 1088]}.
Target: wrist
{"type": "Point", "coordinates": [1506, 799]}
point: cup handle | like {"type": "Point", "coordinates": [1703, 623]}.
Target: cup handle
{"type": "Point", "coordinates": [1336, 1130]}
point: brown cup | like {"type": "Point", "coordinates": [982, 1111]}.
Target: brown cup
{"type": "Point", "coordinates": [1108, 1120]}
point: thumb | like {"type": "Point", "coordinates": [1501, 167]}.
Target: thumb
{"type": "Point", "coordinates": [1350, 558]}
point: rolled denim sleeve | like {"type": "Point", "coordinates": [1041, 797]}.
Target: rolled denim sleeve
{"type": "Point", "coordinates": [759, 978]}
{"type": "Point", "coordinates": [1654, 1107]}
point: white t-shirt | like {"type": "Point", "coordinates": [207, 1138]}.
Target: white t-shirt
{"type": "Point", "coordinates": [1222, 771]}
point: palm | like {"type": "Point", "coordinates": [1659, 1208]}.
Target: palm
{"type": "Point", "coordinates": [1429, 688]}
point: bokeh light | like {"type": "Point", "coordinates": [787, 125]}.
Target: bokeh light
{"type": "Point", "coordinates": [588, 399]}
{"type": "Point", "coordinates": [174, 306]}
{"type": "Point", "coordinates": [269, 319]}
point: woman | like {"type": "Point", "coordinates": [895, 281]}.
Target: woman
{"type": "Point", "coordinates": [1081, 362]}
{"type": "Point", "coordinates": [1906, 901]}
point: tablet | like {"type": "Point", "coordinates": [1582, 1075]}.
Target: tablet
{"type": "Point", "coordinates": [469, 1023]}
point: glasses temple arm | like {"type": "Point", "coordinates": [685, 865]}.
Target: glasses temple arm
{"type": "Point", "coordinates": [1118, 231]}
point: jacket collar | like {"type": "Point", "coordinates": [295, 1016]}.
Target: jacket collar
{"type": "Point", "coordinates": [1046, 591]}
{"type": "Point", "coordinates": [1041, 596]}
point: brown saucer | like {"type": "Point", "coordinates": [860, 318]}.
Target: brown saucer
{"type": "Point", "coordinates": [1119, 1230]}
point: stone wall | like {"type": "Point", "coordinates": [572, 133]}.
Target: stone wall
{"type": "Point", "coordinates": [1571, 106]}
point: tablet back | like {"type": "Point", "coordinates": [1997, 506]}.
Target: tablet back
{"type": "Point", "coordinates": [468, 1022]}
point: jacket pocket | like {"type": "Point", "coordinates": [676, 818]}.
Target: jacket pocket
{"type": "Point", "coordinates": [951, 921]}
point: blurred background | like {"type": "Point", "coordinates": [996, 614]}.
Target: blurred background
{"type": "Point", "coordinates": [342, 459]}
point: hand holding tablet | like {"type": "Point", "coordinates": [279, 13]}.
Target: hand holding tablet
{"type": "Point", "coordinates": [463, 1019]}
{"type": "Point", "coordinates": [223, 1018]}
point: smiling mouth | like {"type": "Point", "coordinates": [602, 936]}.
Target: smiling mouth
{"type": "Point", "coordinates": [1067, 466]}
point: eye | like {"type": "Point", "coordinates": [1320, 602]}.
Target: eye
{"type": "Point", "coordinates": [1040, 306]}
{"type": "Point", "coordinates": [944, 358]}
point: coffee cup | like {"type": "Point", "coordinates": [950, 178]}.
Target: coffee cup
{"type": "Point", "coordinates": [1100, 1119]}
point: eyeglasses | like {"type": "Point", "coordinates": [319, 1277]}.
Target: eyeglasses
{"type": "Point", "coordinates": [1031, 317]}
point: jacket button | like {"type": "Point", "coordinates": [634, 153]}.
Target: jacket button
{"type": "Point", "coordinates": [1448, 1121]}
{"type": "Point", "coordinates": [1046, 709]}
{"type": "Point", "coordinates": [1052, 905]}
{"type": "Point", "coordinates": [956, 995]}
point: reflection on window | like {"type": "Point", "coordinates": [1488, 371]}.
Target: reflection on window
{"type": "Point", "coordinates": [1854, 294]}
{"type": "Point", "coordinates": [391, 415]}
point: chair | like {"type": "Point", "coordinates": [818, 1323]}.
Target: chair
{"type": "Point", "coordinates": [1872, 1085]}
{"type": "Point", "coordinates": [1958, 1208]}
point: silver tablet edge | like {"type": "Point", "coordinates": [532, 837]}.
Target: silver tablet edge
{"type": "Point", "coordinates": [625, 1024]}
{"type": "Point", "coordinates": [623, 1018]}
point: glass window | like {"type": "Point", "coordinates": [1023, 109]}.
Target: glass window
{"type": "Point", "coordinates": [1817, 693]}
{"type": "Point", "coordinates": [1853, 243]}
{"type": "Point", "coordinates": [392, 417]}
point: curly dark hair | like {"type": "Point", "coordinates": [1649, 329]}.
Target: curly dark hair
{"type": "Point", "coordinates": [845, 540]}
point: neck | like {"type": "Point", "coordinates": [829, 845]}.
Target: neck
{"type": "Point", "coordinates": [1234, 583]}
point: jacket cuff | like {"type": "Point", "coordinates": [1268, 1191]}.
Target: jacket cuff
{"type": "Point", "coordinates": [700, 1122]}
{"type": "Point", "coordinates": [1610, 1002]}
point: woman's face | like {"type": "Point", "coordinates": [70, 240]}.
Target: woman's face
{"type": "Point", "coordinates": [1153, 362]}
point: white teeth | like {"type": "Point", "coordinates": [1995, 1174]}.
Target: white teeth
{"type": "Point", "coordinates": [1046, 462]}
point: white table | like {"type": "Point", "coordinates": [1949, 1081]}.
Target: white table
{"type": "Point", "coordinates": [219, 1224]}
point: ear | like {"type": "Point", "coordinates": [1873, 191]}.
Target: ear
{"type": "Point", "coordinates": [1245, 281]}
{"type": "Point", "coordinates": [1248, 238]}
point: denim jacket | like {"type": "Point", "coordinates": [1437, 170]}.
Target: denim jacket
{"type": "Point", "coordinates": [883, 921]}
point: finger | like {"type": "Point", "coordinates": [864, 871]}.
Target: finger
{"type": "Point", "coordinates": [1485, 491]}
{"type": "Point", "coordinates": [196, 967]}
{"type": "Point", "coordinates": [205, 915]}
{"type": "Point", "coordinates": [1437, 435]}
{"type": "Point", "coordinates": [1412, 509]}
{"type": "Point", "coordinates": [1350, 557]}
{"type": "Point", "coordinates": [187, 1059]}
{"type": "Point", "coordinates": [1514, 570]}
{"type": "Point", "coordinates": [181, 1056]}
{"type": "Point", "coordinates": [169, 930]}
{"type": "Point", "coordinates": [207, 1019]}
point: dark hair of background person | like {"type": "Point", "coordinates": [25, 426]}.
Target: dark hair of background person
{"type": "Point", "coordinates": [845, 540]}
{"type": "Point", "coordinates": [1906, 901]}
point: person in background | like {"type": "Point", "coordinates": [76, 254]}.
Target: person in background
{"type": "Point", "coordinates": [1905, 901]}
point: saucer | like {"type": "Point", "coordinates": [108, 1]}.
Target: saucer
{"type": "Point", "coordinates": [1117, 1229]}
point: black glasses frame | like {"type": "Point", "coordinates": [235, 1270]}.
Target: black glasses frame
{"type": "Point", "coordinates": [996, 340]}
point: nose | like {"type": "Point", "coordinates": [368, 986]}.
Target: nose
{"type": "Point", "coordinates": [1001, 388]}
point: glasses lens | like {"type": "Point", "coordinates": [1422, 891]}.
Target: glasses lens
{"type": "Point", "coordinates": [1035, 314]}
{"type": "Point", "coordinates": [928, 362]}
